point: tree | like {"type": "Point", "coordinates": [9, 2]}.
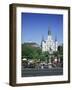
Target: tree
{"type": "Point", "coordinates": [44, 56]}
{"type": "Point", "coordinates": [30, 52]}
{"type": "Point", "coordinates": [56, 53]}
{"type": "Point", "coordinates": [60, 50]}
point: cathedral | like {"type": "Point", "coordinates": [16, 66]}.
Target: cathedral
{"type": "Point", "coordinates": [50, 44]}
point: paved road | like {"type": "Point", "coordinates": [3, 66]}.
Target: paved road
{"type": "Point", "coordinates": [41, 72]}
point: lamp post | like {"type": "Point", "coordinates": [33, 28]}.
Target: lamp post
{"type": "Point", "coordinates": [50, 53]}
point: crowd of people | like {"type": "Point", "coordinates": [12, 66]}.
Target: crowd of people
{"type": "Point", "coordinates": [57, 62]}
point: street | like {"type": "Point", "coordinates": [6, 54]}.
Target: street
{"type": "Point", "coordinates": [29, 72]}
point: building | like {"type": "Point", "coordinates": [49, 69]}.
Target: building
{"type": "Point", "coordinates": [49, 45]}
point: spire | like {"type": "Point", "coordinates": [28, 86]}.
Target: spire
{"type": "Point", "coordinates": [49, 31]}
{"type": "Point", "coordinates": [55, 38]}
{"type": "Point", "coordinates": [42, 41]}
{"type": "Point", "coordinates": [42, 38]}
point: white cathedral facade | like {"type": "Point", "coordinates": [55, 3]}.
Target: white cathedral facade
{"type": "Point", "coordinates": [50, 44]}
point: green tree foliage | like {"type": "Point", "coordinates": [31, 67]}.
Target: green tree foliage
{"type": "Point", "coordinates": [44, 56]}
{"type": "Point", "coordinates": [35, 53]}
{"type": "Point", "coordinates": [59, 53]}
{"type": "Point", "coordinates": [60, 50]}
{"type": "Point", "coordinates": [30, 52]}
{"type": "Point", "coordinates": [56, 53]}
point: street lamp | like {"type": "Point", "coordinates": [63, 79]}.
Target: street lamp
{"type": "Point", "coordinates": [50, 53]}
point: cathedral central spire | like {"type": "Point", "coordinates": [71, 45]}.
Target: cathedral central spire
{"type": "Point", "coordinates": [49, 31]}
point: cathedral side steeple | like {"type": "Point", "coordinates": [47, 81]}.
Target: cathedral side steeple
{"type": "Point", "coordinates": [55, 38]}
{"type": "Point", "coordinates": [56, 44]}
{"type": "Point", "coordinates": [42, 38]}
{"type": "Point", "coordinates": [43, 44]}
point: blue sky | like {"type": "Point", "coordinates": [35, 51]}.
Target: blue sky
{"type": "Point", "coordinates": [34, 26]}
